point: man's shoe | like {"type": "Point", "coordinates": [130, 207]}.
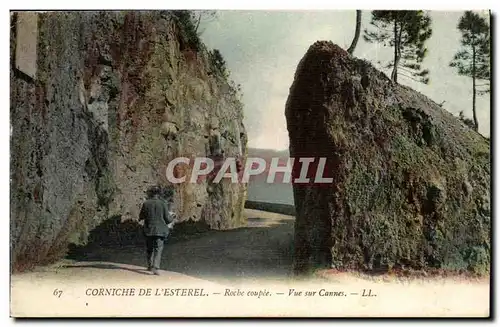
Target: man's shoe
{"type": "Point", "coordinates": [155, 271]}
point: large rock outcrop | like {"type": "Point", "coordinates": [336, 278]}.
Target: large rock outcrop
{"type": "Point", "coordinates": [100, 103]}
{"type": "Point", "coordinates": [411, 183]}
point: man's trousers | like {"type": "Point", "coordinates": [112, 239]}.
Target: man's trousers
{"type": "Point", "coordinates": [154, 245]}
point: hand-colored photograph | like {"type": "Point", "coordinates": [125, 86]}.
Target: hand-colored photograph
{"type": "Point", "coordinates": [250, 163]}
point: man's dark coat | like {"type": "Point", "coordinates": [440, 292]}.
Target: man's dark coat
{"type": "Point", "coordinates": [155, 214]}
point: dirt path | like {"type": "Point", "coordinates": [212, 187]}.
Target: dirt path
{"type": "Point", "coordinates": [257, 257]}
{"type": "Point", "coordinates": [260, 250]}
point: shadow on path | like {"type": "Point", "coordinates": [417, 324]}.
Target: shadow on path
{"type": "Point", "coordinates": [261, 250]}
{"type": "Point", "coordinates": [108, 266]}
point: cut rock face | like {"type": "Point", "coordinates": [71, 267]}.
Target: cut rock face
{"type": "Point", "coordinates": [410, 182]}
{"type": "Point", "coordinates": [113, 101]}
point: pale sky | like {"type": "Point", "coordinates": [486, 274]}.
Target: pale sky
{"type": "Point", "coordinates": [262, 50]}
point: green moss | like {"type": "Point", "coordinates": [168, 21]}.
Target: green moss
{"type": "Point", "coordinates": [478, 259]}
{"type": "Point", "coordinates": [393, 229]}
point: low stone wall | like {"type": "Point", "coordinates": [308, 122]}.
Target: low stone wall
{"type": "Point", "coordinates": [285, 209]}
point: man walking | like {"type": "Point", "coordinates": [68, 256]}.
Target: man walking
{"type": "Point", "coordinates": [158, 222]}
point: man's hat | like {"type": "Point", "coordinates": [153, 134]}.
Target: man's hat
{"type": "Point", "coordinates": [153, 190]}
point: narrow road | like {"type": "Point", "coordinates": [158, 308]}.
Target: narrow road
{"type": "Point", "coordinates": [263, 249]}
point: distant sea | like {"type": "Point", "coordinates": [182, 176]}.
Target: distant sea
{"type": "Point", "coordinates": [272, 193]}
{"type": "Point", "coordinates": [259, 190]}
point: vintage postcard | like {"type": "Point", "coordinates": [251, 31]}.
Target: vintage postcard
{"type": "Point", "coordinates": [250, 163]}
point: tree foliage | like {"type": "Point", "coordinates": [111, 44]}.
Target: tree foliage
{"type": "Point", "coordinates": [199, 16]}
{"type": "Point", "coordinates": [475, 47]}
{"type": "Point", "coordinates": [185, 21]}
{"type": "Point", "coordinates": [218, 62]}
{"type": "Point", "coordinates": [189, 21]}
{"type": "Point", "coordinates": [473, 59]}
{"type": "Point", "coordinates": [219, 67]}
{"type": "Point", "coordinates": [406, 31]}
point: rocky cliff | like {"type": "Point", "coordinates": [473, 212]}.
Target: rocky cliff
{"type": "Point", "coordinates": [411, 183]}
{"type": "Point", "coordinates": [100, 103]}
